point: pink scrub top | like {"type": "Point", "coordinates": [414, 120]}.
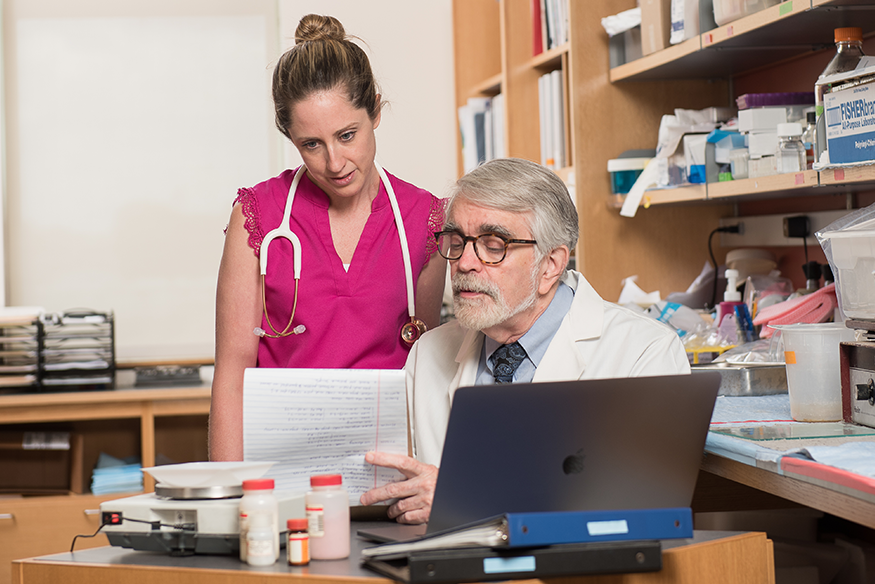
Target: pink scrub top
{"type": "Point", "coordinates": [353, 318]}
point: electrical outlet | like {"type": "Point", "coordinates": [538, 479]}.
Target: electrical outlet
{"type": "Point", "coordinates": [768, 230]}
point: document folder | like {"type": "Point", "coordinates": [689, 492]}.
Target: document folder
{"type": "Point", "coordinates": [490, 564]}
{"type": "Point", "coordinates": [518, 530]}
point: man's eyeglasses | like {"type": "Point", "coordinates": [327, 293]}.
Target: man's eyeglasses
{"type": "Point", "coordinates": [490, 248]}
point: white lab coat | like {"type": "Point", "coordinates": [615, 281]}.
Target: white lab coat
{"type": "Point", "coordinates": [597, 339]}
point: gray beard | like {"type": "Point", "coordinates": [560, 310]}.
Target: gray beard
{"type": "Point", "coordinates": [489, 310]}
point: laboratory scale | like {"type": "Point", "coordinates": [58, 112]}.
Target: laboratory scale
{"type": "Point", "coordinates": [858, 375]}
{"type": "Point", "coordinates": [184, 520]}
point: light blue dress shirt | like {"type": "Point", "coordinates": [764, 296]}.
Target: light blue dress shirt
{"type": "Point", "coordinates": [535, 341]}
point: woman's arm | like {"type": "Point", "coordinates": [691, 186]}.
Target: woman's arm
{"type": "Point", "coordinates": [238, 312]}
{"type": "Point", "coordinates": [430, 291]}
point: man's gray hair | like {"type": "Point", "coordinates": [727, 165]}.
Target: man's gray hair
{"type": "Point", "coordinates": [521, 186]}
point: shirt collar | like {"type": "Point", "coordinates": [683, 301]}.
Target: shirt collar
{"type": "Point", "coordinates": [538, 337]}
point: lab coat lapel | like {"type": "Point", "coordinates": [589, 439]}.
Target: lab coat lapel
{"type": "Point", "coordinates": [468, 359]}
{"type": "Point", "coordinates": [562, 361]}
{"type": "Point", "coordinates": [564, 358]}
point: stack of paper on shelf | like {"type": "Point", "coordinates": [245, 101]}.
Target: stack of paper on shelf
{"type": "Point", "coordinates": [113, 475]}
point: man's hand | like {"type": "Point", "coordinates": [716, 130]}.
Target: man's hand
{"type": "Point", "coordinates": [413, 496]}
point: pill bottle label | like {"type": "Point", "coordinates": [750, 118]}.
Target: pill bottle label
{"type": "Point", "coordinates": [244, 528]}
{"type": "Point", "coordinates": [316, 520]}
{"type": "Point", "coordinates": [260, 548]}
{"type": "Point", "coordinates": [298, 549]}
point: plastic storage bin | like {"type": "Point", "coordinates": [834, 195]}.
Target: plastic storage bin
{"type": "Point", "coordinates": [725, 11]}
{"type": "Point", "coordinates": [853, 254]}
{"type": "Point", "coordinates": [626, 169]}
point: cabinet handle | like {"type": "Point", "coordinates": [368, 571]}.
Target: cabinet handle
{"type": "Point", "coordinates": [7, 516]}
{"type": "Point", "coordinates": [92, 511]}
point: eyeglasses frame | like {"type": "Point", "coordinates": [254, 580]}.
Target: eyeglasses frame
{"type": "Point", "coordinates": [473, 239]}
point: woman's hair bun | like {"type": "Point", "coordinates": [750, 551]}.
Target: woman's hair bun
{"type": "Point", "coordinates": [315, 27]}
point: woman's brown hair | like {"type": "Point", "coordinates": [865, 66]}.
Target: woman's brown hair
{"type": "Point", "coordinates": [323, 59]}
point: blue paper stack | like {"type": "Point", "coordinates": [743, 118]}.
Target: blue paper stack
{"type": "Point", "coordinates": [114, 475]}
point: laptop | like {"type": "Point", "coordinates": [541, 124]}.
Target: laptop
{"type": "Point", "coordinates": [630, 443]}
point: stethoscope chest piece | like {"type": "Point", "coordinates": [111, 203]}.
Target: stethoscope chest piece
{"type": "Point", "coordinates": [412, 330]}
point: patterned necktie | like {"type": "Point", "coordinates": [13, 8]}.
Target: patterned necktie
{"type": "Point", "coordinates": [505, 361]}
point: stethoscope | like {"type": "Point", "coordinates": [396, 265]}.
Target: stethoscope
{"type": "Point", "coordinates": [410, 331]}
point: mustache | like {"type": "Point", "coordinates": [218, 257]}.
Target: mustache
{"type": "Point", "coordinates": [471, 283]}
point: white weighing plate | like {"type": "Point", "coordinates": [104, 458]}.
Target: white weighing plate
{"type": "Point", "coordinates": [208, 474]}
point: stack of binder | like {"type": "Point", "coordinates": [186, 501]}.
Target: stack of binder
{"type": "Point", "coordinates": [20, 337]}
{"type": "Point", "coordinates": [535, 545]}
{"type": "Point", "coordinates": [78, 350]}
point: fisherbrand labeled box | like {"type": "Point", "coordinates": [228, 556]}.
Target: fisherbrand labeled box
{"type": "Point", "coordinates": [850, 121]}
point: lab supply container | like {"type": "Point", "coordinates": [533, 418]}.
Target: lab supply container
{"type": "Point", "coordinates": [259, 510]}
{"type": "Point", "coordinates": [849, 51]}
{"type": "Point", "coordinates": [725, 11]}
{"type": "Point", "coordinates": [849, 107]}
{"type": "Point", "coordinates": [761, 119]}
{"type": "Point", "coordinates": [626, 168]}
{"type": "Point", "coordinates": [811, 355]}
{"type": "Point", "coordinates": [852, 258]}
{"type": "Point", "coordinates": [809, 138]}
{"type": "Point", "coordinates": [791, 150]}
{"type": "Point", "coordinates": [738, 160]}
{"type": "Point", "coordinates": [328, 517]}
{"type": "Point", "coordinates": [624, 173]}
{"type": "Point", "coordinates": [298, 544]}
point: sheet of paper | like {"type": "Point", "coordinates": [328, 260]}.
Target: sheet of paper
{"type": "Point", "coordinates": [323, 421]}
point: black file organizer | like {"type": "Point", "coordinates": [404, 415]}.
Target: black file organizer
{"type": "Point", "coordinates": [20, 353]}
{"type": "Point", "coordinates": [77, 351]}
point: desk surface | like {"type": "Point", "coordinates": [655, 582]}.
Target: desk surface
{"type": "Point", "coordinates": [817, 480]}
{"type": "Point", "coordinates": [728, 556]}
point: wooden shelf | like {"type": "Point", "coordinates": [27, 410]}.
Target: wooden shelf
{"type": "Point", "coordinates": [787, 30]}
{"type": "Point", "coordinates": [853, 175]}
{"type": "Point", "coordinates": [550, 60]}
{"type": "Point", "coordinates": [488, 88]}
{"type": "Point", "coordinates": [789, 183]}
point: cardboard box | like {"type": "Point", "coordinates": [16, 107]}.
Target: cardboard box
{"type": "Point", "coordinates": [850, 121]}
{"type": "Point", "coordinates": [761, 144]}
{"type": "Point", "coordinates": [40, 462]}
{"type": "Point", "coordinates": [655, 25]}
{"type": "Point", "coordinates": [761, 119]}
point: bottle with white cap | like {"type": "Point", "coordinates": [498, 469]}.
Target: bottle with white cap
{"type": "Point", "coordinates": [259, 512]}
{"type": "Point", "coordinates": [731, 298]}
{"type": "Point", "coordinates": [791, 155]}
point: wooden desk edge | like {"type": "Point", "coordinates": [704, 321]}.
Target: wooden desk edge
{"type": "Point", "coordinates": [805, 493]}
{"type": "Point", "coordinates": [750, 553]}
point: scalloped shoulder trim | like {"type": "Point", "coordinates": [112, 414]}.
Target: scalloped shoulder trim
{"type": "Point", "coordinates": [249, 206]}
{"type": "Point", "coordinates": [436, 216]}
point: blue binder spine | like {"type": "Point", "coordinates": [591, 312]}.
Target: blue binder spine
{"type": "Point", "coordinates": [534, 529]}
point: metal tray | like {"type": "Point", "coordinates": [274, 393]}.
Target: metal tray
{"type": "Point", "coordinates": [750, 379]}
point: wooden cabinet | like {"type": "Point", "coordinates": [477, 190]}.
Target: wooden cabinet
{"type": "Point", "coordinates": [614, 110]}
{"type": "Point", "coordinates": [151, 423]}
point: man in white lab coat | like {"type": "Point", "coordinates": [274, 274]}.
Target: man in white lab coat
{"type": "Point", "coordinates": [520, 316]}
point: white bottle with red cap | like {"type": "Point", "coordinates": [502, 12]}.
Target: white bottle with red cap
{"type": "Point", "coordinates": [328, 518]}
{"type": "Point", "coordinates": [259, 513]}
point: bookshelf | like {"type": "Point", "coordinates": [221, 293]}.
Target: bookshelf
{"type": "Point", "coordinates": [618, 109]}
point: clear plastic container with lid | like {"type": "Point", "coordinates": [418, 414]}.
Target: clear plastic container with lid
{"type": "Point", "coordinates": [259, 512]}
{"type": "Point", "coordinates": [791, 151]}
{"type": "Point", "coordinates": [849, 51]}
{"type": "Point", "coordinates": [328, 518]}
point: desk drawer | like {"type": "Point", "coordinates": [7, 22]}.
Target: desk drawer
{"type": "Point", "coordinates": [34, 526]}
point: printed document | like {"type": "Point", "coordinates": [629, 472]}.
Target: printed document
{"type": "Point", "coordinates": [323, 421]}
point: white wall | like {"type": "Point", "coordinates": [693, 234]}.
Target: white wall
{"type": "Point", "coordinates": [131, 125]}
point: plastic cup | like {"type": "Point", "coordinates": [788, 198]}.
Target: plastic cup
{"type": "Point", "coordinates": [811, 354]}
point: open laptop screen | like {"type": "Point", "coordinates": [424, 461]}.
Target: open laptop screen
{"type": "Point", "coordinates": [573, 445]}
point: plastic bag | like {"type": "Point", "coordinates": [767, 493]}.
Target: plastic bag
{"type": "Point", "coordinates": [849, 246]}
